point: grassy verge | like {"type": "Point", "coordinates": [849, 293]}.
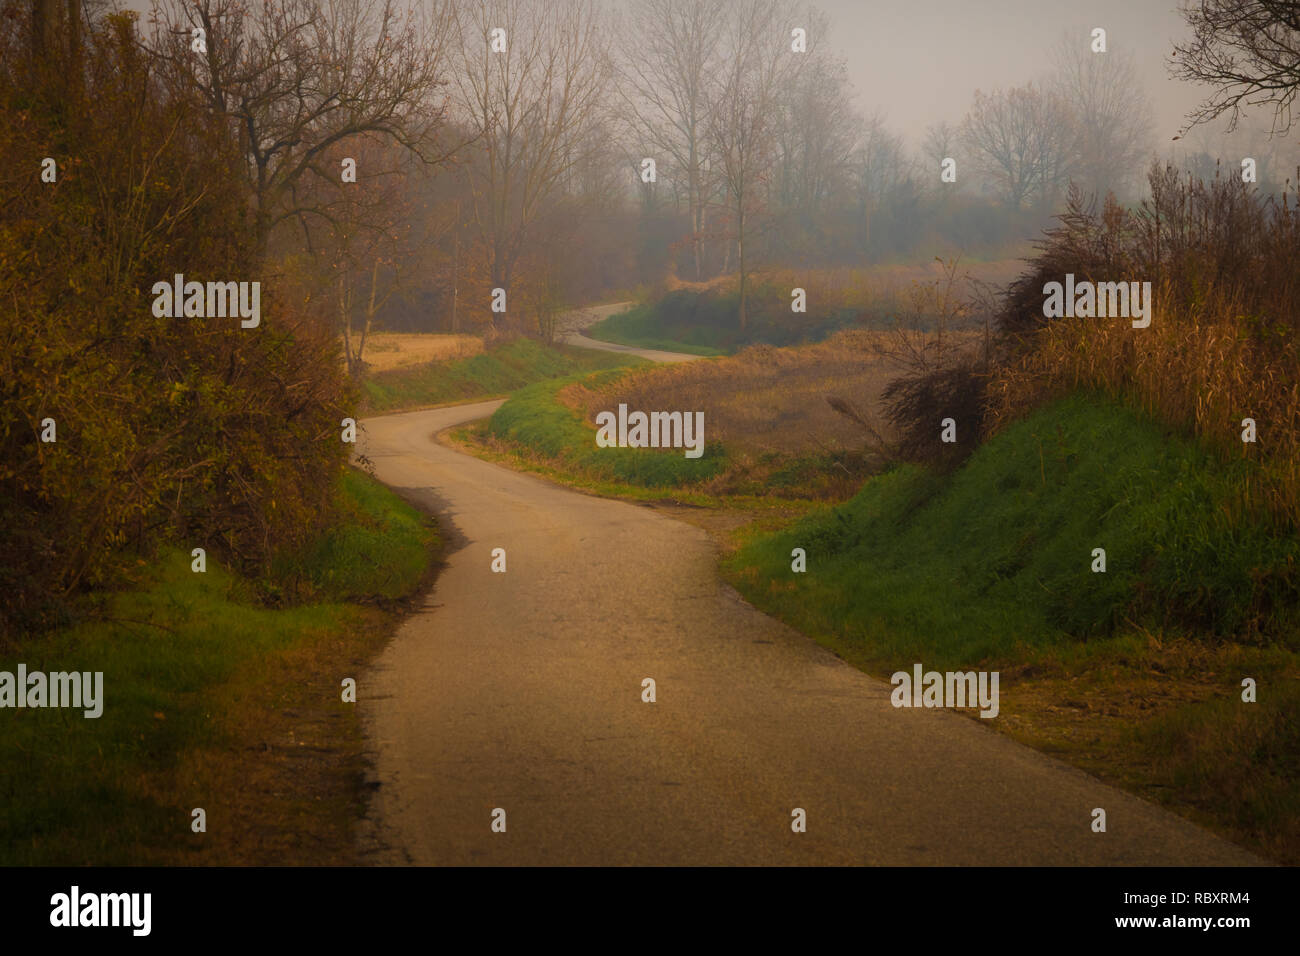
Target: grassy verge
{"type": "Point", "coordinates": [536, 421]}
{"type": "Point", "coordinates": [640, 326]}
{"type": "Point", "coordinates": [707, 322]}
{"type": "Point", "coordinates": [492, 374]}
{"type": "Point", "coordinates": [212, 700]}
{"type": "Point", "coordinates": [1133, 674]}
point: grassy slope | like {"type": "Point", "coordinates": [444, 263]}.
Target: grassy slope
{"type": "Point", "coordinates": [1000, 553]}
{"type": "Point", "coordinates": [489, 375]}
{"type": "Point", "coordinates": [1135, 673]}
{"type": "Point", "coordinates": [708, 323]}
{"type": "Point", "coordinates": [641, 327]}
{"type": "Point", "coordinates": [197, 678]}
{"type": "Point", "coordinates": [534, 419]}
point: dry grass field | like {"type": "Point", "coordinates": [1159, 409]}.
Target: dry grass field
{"type": "Point", "coordinates": [862, 286]}
{"type": "Point", "coordinates": [389, 350]}
{"type": "Point", "coordinates": [767, 400]}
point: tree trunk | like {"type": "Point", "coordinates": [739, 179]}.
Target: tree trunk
{"type": "Point", "coordinates": [74, 39]}
{"type": "Point", "coordinates": [693, 201]}
{"type": "Point", "coordinates": [43, 21]}
{"type": "Point", "coordinates": [740, 257]}
{"type": "Point", "coordinates": [345, 320]}
{"type": "Point", "coordinates": [455, 286]}
{"type": "Point", "coordinates": [370, 317]}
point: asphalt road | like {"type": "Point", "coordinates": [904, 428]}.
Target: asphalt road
{"type": "Point", "coordinates": [523, 691]}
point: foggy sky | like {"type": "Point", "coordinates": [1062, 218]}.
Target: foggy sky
{"type": "Point", "coordinates": [919, 61]}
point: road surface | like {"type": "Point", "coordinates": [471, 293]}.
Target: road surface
{"type": "Point", "coordinates": [523, 691]}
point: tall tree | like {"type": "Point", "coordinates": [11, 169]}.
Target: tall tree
{"type": "Point", "coordinates": [1022, 139]}
{"type": "Point", "coordinates": [758, 63]}
{"type": "Point", "coordinates": [1111, 116]}
{"type": "Point", "coordinates": [669, 55]}
{"type": "Point", "coordinates": [939, 143]}
{"type": "Point", "coordinates": [815, 129]}
{"type": "Point", "coordinates": [532, 96]}
{"type": "Point", "coordinates": [296, 77]}
{"type": "Point", "coordinates": [881, 169]}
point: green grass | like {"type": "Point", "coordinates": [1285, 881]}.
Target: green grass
{"type": "Point", "coordinates": [969, 567]}
{"type": "Point", "coordinates": [374, 551]}
{"type": "Point", "coordinates": [489, 375]}
{"type": "Point", "coordinates": [641, 327]}
{"type": "Point", "coordinates": [708, 323]}
{"type": "Point", "coordinates": [175, 652]}
{"type": "Point", "coordinates": [535, 420]}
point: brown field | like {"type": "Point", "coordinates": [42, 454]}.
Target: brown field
{"type": "Point", "coordinates": [390, 350]}
{"type": "Point", "coordinates": [767, 400]}
{"type": "Point", "coordinates": [762, 399]}
{"type": "Point", "coordinates": [862, 286]}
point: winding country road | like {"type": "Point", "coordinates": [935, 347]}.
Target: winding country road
{"type": "Point", "coordinates": [522, 691]}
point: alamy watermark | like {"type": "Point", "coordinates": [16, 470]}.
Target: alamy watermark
{"type": "Point", "coordinates": [653, 430]}
{"type": "Point", "coordinates": [1101, 300]}
{"type": "Point", "coordinates": [75, 908]}
{"type": "Point", "coordinates": [217, 300]}
{"type": "Point", "coordinates": [953, 689]}
{"type": "Point", "coordinates": [58, 689]}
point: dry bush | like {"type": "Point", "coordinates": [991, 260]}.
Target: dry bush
{"type": "Point", "coordinates": [940, 341]}
{"type": "Point", "coordinates": [916, 405]}
{"type": "Point", "coordinates": [1223, 343]}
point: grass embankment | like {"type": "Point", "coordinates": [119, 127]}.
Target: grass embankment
{"type": "Point", "coordinates": [708, 322]}
{"type": "Point", "coordinates": [536, 422]}
{"type": "Point", "coordinates": [1134, 674]}
{"type": "Point", "coordinates": [490, 375]}
{"type": "Point", "coordinates": [213, 699]}
{"type": "Point", "coordinates": [643, 326]}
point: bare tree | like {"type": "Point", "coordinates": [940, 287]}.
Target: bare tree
{"type": "Point", "coordinates": [297, 77]}
{"type": "Point", "coordinates": [758, 63]}
{"type": "Point", "coordinates": [667, 60]}
{"type": "Point", "coordinates": [369, 244]}
{"type": "Point", "coordinates": [1111, 113]}
{"type": "Point", "coordinates": [939, 144]}
{"type": "Point", "coordinates": [1022, 140]}
{"type": "Point", "coordinates": [815, 131]}
{"type": "Point", "coordinates": [1249, 50]}
{"type": "Point", "coordinates": [532, 104]}
{"type": "Point", "coordinates": [880, 168]}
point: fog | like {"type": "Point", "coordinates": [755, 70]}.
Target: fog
{"type": "Point", "coordinates": [918, 62]}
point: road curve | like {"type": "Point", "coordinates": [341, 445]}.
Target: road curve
{"type": "Point", "coordinates": [578, 319]}
{"type": "Point", "coordinates": [523, 691]}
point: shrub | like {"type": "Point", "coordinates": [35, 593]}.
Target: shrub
{"type": "Point", "coordinates": [1222, 345]}
{"type": "Point", "coordinates": [189, 430]}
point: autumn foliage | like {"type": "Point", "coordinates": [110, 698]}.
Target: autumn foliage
{"type": "Point", "coordinates": [1224, 341]}
{"type": "Point", "coordinates": [194, 431]}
